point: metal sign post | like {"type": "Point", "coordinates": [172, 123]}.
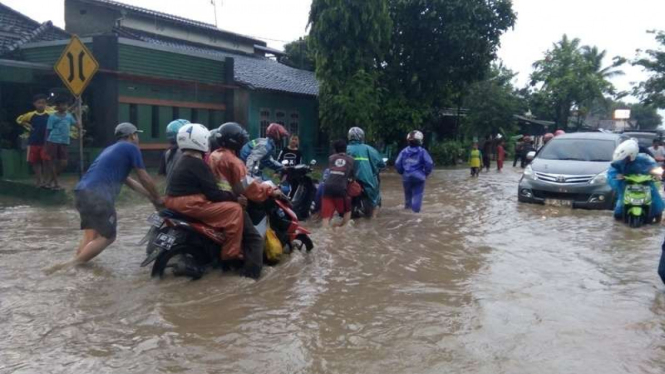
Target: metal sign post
{"type": "Point", "coordinates": [76, 67]}
{"type": "Point", "coordinates": [79, 116]}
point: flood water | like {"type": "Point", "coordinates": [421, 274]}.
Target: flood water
{"type": "Point", "coordinates": [477, 283]}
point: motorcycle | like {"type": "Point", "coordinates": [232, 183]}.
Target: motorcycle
{"type": "Point", "coordinates": [189, 246]}
{"type": "Point", "coordinates": [361, 205]}
{"type": "Point", "coordinates": [302, 197]}
{"type": "Point", "coordinates": [637, 200]}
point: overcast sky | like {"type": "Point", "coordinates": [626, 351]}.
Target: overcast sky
{"type": "Point", "coordinates": [619, 26]}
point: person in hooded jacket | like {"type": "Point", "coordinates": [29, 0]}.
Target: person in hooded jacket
{"type": "Point", "coordinates": [628, 160]}
{"type": "Point", "coordinates": [414, 164]}
{"type": "Point", "coordinates": [368, 164]}
{"type": "Point", "coordinates": [171, 155]}
{"type": "Point", "coordinates": [260, 153]}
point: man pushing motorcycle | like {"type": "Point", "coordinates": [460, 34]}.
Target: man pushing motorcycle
{"type": "Point", "coordinates": [368, 164]}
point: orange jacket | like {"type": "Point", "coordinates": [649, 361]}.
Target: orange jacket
{"type": "Point", "coordinates": [231, 175]}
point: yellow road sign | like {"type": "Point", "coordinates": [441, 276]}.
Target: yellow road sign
{"type": "Point", "coordinates": [76, 66]}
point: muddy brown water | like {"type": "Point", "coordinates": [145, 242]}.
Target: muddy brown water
{"type": "Point", "coordinates": [477, 283]}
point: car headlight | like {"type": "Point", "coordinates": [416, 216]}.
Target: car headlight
{"type": "Point", "coordinates": [599, 179]}
{"type": "Point", "coordinates": [528, 173]}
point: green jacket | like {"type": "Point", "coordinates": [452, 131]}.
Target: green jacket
{"type": "Point", "coordinates": [368, 165]}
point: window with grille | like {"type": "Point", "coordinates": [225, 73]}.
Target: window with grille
{"type": "Point", "coordinates": [294, 123]}
{"type": "Point", "coordinates": [280, 117]}
{"type": "Point", "coordinates": [264, 121]}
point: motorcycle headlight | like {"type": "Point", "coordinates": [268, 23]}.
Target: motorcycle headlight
{"type": "Point", "coordinates": [528, 173]}
{"type": "Point", "coordinates": [599, 179]}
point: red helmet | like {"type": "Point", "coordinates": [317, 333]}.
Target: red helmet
{"type": "Point", "coordinates": [547, 137]}
{"type": "Point", "coordinates": [276, 131]}
{"type": "Point", "coordinates": [559, 132]}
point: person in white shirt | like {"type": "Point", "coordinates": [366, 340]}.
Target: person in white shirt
{"type": "Point", "coordinates": [658, 151]}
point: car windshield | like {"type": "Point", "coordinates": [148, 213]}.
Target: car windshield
{"type": "Point", "coordinates": [579, 150]}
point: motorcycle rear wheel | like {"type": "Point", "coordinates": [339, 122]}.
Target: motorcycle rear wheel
{"type": "Point", "coordinates": [188, 267]}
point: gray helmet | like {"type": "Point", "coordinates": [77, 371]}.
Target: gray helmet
{"type": "Point", "coordinates": [357, 134]}
{"type": "Point", "coordinates": [125, 129]}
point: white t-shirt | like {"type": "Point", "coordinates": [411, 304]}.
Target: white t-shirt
{"type": "Point", "coordinates": [658, 153]}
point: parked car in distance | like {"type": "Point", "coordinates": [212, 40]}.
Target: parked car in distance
{"type": "Point", "coordinates": [571, 170]}
{"type": "Point", "coordinates": [644, 138]}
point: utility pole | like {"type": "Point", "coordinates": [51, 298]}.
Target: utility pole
{"type": "Point", "coordinates": [214, 7]}
{"type": "Point", "coordinates": [300, 42]}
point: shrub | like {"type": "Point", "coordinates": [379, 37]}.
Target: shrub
{"type": "Point", "coordinates": [449, 152]}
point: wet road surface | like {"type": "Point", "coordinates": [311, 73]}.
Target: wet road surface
{"type": "Point", "coordinates": [477, 283]}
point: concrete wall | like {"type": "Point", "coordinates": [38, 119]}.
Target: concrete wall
{"type": "Point", "coordinates": [85, 19]}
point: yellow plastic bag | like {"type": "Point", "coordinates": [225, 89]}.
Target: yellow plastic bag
{"type": "Point", "coordinates": [274, 249]}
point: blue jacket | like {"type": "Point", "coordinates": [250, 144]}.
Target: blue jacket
{"type": "Point", "coordinates": [414, 164]}
{"type": "Point", "coordinates": [260, 152]}
{"type": "Point", "coordinates": [643, 164]}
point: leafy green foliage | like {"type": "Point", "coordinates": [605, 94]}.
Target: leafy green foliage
{"type": "Point", "coordinates": [298, 55]}
{"type": "Point", "coordinates": [652, 91]}
{"type": "Point", "coordinates": [438, 48]}
{"type": "Point", "coordinates": [349, 39]}
{"type": "Point", "coordinates": [389, 65]}
{"type": "Point", "coordinates": [645, 117]}
{"type": "Point", "coordinates": [492, 103]}
{"type": "Point", "coordinates": [572, 76]}
{"type": "Point", "coordinates": [449, 152]}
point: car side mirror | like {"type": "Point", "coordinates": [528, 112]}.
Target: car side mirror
{"type": "Point", "coordinates": [531, 155]}
{"type": "Point", "coordinates": [313, 162]}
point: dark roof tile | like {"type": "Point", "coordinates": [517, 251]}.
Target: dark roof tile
{"type": "Point", "coordinates": [16, 29]}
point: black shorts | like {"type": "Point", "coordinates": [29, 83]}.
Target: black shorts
{"type": "Point", "coordinates": [97, 213]}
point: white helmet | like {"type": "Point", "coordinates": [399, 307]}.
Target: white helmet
{"type": "Point", "coordinates": [194, 137]}
{"type": "Point", "coordinates": [627, 149]}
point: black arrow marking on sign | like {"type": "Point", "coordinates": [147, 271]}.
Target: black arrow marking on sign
{"type": "Point", "coordinates": [81, 75]}
{"type": "Point", "coordinates": [71, 67]}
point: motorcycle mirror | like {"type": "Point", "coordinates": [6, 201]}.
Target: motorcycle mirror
{"type": "Point", "coordinates": [531, 155]}
{"type": "Point", "coordinates": [313, 162]}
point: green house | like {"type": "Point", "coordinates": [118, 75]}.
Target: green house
{"type": "Point", "coordinates": [156, 67]}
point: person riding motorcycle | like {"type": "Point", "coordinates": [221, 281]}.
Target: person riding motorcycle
{"type": "Point", "coordinates": [230, 171]}
{"type": "Point", "coordinates": [171, 156]}
{"type": "Point", "coordinates": [626, 161]}
{"type": "Point", "coordinates": [368, 164]}
{"type": "Point", "coordinates": [261, 152]}
{"type": "Point", "coordinates": [192, 190]}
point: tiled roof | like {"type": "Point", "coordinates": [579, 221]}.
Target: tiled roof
{"type": "Point", "coordinates": [16, 29]}
{"type": "Point", "coordinates": [252, 71]}
{"type": "Point", "coordinates": [164, 16]}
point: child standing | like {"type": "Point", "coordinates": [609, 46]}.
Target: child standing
{"type": "Point", "coordinates": [415, 165]}
{"type": "Point", "coordinates": [475, 160]}
{"type": "Point", "coordinates": [335, 196]}
{"type": "Point", "coordinates": [35, 122]}
{"type": "Point", "coordinates": [59, 131]}
{"type": "Point", "coordinates": [500, 156]}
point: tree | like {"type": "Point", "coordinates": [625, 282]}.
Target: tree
{"type": "Point", "coordinates": [438, 48]}
{"type": "Point", "coordinates": [349, 39]}
{"type": "Point", "coordinates": [492, 103]}
{"type": "Point", "coordinates": [645, 117]}
{"type": "Point", "coordinates": [652, 91]}
{"type": "Point", "coordinates": [572, 77]}
{"type": "Point", "coordinates": [298, 55]}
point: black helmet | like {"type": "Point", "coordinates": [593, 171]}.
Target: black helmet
{"type": "Point", "coordinates": [232, 136]}
{"type": "Point", "coordinates": [214, 144]}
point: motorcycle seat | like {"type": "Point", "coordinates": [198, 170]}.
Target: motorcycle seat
{"type": "Point", "coordinates": [168, 213]}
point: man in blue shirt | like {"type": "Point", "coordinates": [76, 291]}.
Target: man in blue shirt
{"type": "Point", "coordinates": [96, 192]}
